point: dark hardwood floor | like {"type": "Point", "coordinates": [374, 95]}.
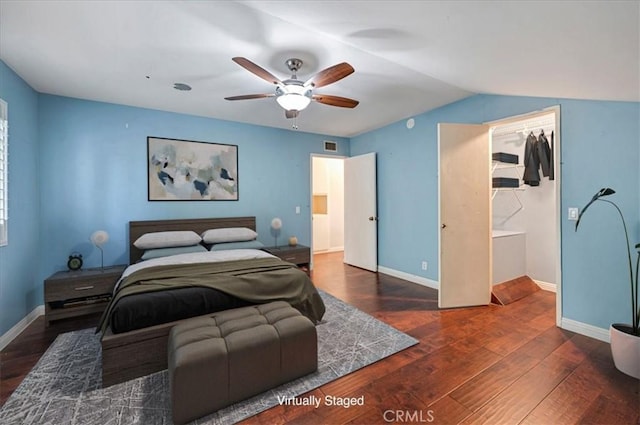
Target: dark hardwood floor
{"type": "Point", "coordinates": [497, 364]}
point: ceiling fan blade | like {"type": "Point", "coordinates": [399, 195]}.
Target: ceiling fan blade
{"type": "Point", "coordinates": [343, 102]}
{"type": "Point", "coordinates": [330, 75]}
{"type": "Point", "coordinates": [291, 114]}
{"type": "Point", "coordinates": [257, 70]}
{"type": "Point", "coordinates": [250, 96]}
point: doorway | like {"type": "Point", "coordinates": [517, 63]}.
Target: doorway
{"type": "Point", "coordinates": [526, 220]}
{"type": "Point", "coordinates": [327, 204]}
{"type": "Point", "coordinates": [344, 208]}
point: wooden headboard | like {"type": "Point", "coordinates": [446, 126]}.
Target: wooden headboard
{"type": "Point", "coordinates": [198, 225]}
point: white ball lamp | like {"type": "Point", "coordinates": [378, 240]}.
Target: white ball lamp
{"type": "Point", "coordinates": [276, 225]}
{"type": "Point", "coordinates": [99, 238]}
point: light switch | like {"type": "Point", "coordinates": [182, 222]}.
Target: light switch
{"type": "Point", "coordinates": [297, 210]}
{"type": "Point", "coordinates": [573, 213]}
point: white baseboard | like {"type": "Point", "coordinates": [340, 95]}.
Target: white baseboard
{"type": "Point", "coordinates": [10, 335]}
{"type": "Point", "coordinates": [585, 329]}
{"type": "Point", "coordinates": [410, 277]}
{"type": "Point", "coordinates": [546, 286]}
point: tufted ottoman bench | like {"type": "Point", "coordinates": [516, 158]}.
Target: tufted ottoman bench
{"type": "Point", "coordinates": [234, 354]}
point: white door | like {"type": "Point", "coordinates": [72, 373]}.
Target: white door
{"type": "Point", "coordinates": [465, 215]}
{"type": "Point", "coordinates": [360, 212]}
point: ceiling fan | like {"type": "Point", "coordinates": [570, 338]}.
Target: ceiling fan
{"type": "Point", "coordinates": [294, 95]}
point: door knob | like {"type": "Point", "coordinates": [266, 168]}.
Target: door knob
{"type": "Point", "coordinates": [443, 225]}
{"type": "Point", "coordinates": [372, 218]}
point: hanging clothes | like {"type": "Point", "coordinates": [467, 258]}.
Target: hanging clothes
{"type": "Point", "coordinates": [531, 161]}
{"type": "Point", "coordinates": [544, 152]}
{"type": "Point", "coordinates": [551, 167]}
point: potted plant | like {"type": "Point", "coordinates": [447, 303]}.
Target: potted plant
{"type": "Point", "coordinates": [624, 338]}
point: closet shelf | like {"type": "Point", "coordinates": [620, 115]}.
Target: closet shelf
{"type": "Point", "coordinates": [501, 161]}
{"type": "Point", "coordinates": [508, 158]}
{"type": "Point", "coordinates": [505, 182]}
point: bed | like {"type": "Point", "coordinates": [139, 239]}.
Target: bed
{"type": "Point", "coordinates": [247, 277]}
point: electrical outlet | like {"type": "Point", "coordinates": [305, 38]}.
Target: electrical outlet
{"type": "Point", "coordinates": [573, 213]}
{"type": "Point", "coordinates": [424, 265]}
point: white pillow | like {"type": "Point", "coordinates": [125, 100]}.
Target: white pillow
{"type": "Point", "coordinates": [167, 239]}
{"type": "Point", "coordinates": [229, 234]}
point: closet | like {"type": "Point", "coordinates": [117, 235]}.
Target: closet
{"type": "Point", "coordinates": [524, 212]}
{"type": "Point", "coordinates": [492, 235]}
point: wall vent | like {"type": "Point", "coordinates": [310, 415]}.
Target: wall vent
{"type": "Point", "coordinates": [330, 146]}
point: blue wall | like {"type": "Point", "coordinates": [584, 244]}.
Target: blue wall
{"type": "Point", "coordinates": [94, 175]}
{"type": "Point", "coordinates": [20, 288]}
{"type": "Point", "coordinates": [600, 147]}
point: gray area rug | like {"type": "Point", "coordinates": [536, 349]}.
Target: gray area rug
{"type": "Point", "coordinates": [64, 386]}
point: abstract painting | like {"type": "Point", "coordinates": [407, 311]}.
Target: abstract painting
{"type": "Point", "coordinates": [184, 170]}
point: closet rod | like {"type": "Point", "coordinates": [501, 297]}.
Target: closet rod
{"type": "Point", "coordinates": [528, 126]}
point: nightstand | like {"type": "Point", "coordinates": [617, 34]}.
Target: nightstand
{"type": "Point", "coordinates": [79, 293]}
{"type": "Point", "coordinates": [299, 255]}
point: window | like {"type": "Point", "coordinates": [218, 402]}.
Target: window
{"type": "Point", "coordinates": [4, 174]}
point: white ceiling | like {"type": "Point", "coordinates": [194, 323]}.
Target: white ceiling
{"type": "Point", "coordinates": [409, 56]}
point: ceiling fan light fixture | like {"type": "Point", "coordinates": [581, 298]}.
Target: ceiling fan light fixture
{"type": "Point", "coordinates": [293, 97]}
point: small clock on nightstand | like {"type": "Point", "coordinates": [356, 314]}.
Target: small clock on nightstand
{"type": "Point", "coordinates": [75, 261]}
